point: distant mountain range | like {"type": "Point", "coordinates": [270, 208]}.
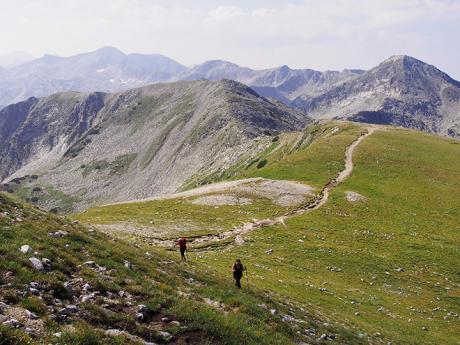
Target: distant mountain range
{"type": "Point", "coordinates": [400, 91]}
{"type": "Point", "coordinates": [106, 69]}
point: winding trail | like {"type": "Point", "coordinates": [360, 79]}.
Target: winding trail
{"type": "Point", "coordinates": [237, 232]}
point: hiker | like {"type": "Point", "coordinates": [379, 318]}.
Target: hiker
{"type": "Point", "coordinates": [237, 270]}
{"type": "Point", "coordinates": [182, 243]}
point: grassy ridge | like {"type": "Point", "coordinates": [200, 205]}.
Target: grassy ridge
{"type": "Point", "coordinates": [314, 158]}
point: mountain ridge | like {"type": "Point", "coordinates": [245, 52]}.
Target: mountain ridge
{"type": "Point", "coordinates": [137, 143]}
{"type": "Point", "coordinates": [400, 91]}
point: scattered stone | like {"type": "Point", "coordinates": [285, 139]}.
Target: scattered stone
{"type": "Point", "coordinates": [127, 265]}
{"type": "Point", "coordinates": [68, 310]}
{"type": "Point", "coordinates": [142, 308]}
{"type": "Point", "coordinates": [31, 315]}
{"type": "Point", "coordinates": [3, 307]}
{"type": "Point", "coordinates": [86, 298]}
{"type": "Point", "coordinates": [132, 338]}
{"type": "Point", "coordinates": [273, 311]}
{"type": "Point", "coordinates": [399, 269]}
{"type": "Point", "coordinates": [424, 328]}
{"type": "Point", "coordinates": [86, 287]}
{"type": "Point", "coordinates": [165, 319]}
{"type": "Point", "coordinates": [25, 249]}
{"type": "Point", "coordinates": [287, 318]}
{"type": "Point", "coordinates": [58, 234]}
{"type": "Point", "coordinates": [325, 336]}
{"type": "Point", "coordinates": [68, 288]}
{"type": "Point", "coordinates": [269, 251]}
{"type": "Point", "coordinates": [90, 263]}
{"type": "Point", "coordinates": [124, 294]}
{"type": "Point", "coordinates": [165, 335]}
{"type": "Point", "coordinates": [57, 334]}
{"type": "Point", "coordinates": [13, 323]}
{"type": "Point", "coordinates": [30, 331]}
{"type": "Point", "coordinates": [36, 264]}
{"type": "Point", "coordinates": [34, 291]}
{"type": "Point", "coordinates": [175, 323]}
{"type": "Point", "coordinates": [239, 240]}
{"type": "Point", "coordinates": [46, 263]}
{"type": "Point", "coordinates": [357, 313]}
{"type": "Point", "coordinates": [35, 285]}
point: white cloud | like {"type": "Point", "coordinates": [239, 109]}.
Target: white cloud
{"type": "Point", "coordinates": [310, 33]}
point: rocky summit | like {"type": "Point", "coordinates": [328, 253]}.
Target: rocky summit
{"type": "Point", "coordinates": [401, 91]}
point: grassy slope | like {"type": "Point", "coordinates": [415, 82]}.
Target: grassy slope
{"type": "Point", "coordinates": [313, 163]}
{"type": "Point", "coordinates": [156, 282]}
{"type": "Point", "coordinates": [410, 221]}
{"type": "Point", "coordinates": [313, 157]}
{"type": "Point", "coordinates": [353, 250]}
{"type": "Point", "coordinates": [171, 218]}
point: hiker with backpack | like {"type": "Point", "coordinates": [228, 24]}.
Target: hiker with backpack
{"type": "Point", "coordinates": [182, 243]}
{"type": "Point", "coordinates": [238, 270]}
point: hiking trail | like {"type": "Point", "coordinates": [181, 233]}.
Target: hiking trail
{"type": "Point", "coordinates": [237, 232]}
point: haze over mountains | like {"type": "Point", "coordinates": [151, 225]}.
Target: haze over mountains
{"type": "Point", "coordinates": [15, 59]}
{"type": "Point", "coordinates": [401, 90]}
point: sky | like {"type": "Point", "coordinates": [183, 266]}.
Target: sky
{"type": "Point", "coordinates": [318, 34]}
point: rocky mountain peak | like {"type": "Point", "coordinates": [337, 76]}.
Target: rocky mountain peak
{"type": "Point", "coordinates": [410, 68]}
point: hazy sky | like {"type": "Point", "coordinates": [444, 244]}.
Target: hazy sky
{"type": "Point", "coordinates": [319, 34]}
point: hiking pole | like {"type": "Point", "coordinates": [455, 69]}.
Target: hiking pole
{"type": "Point", "coordinates": [247, 277]}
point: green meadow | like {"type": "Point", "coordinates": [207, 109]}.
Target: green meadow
{"type": "Point", "coordinates": [379, 270]}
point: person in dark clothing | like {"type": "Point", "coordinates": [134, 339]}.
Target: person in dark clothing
{"type": "Point", "coordinates": [182, 243]}
{"type": "Point", "coordinates": [238, 270]}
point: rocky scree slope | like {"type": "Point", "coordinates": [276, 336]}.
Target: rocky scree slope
{"type": "Point", "coordinates": [401, 91]}
{"type": "Point", "coordinates": [100, 148]}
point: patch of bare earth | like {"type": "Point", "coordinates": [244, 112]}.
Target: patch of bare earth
{"type": "Point", "coordinates": [282, 193]}
{"type": "Point", "coordinates": [221, 199]}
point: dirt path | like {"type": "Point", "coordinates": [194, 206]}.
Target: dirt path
{"type": "Point", "coordinates": [237, 233]}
